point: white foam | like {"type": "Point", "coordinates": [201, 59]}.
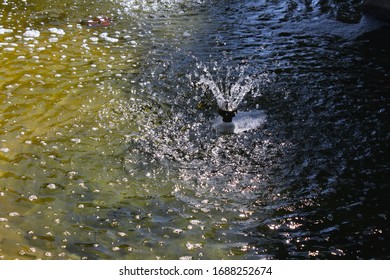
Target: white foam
{"type": "Point", "coordinates": [242, 122]}
{"type": "Point", "coordinates": [224, 127]}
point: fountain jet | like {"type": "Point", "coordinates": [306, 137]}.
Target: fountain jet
{"type": "Point", "coordinates": [228, 90]}
{"type": "Point", "coordinates": [229, 85]}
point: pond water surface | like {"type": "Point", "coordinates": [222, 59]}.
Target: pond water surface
{"type": "Point", "coordinates": [107, 141]}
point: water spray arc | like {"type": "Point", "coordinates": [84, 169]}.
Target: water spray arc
{"type": "Point", "coordinates": [229, 85]}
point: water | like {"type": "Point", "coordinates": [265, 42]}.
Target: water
{"type": "Point", "coordinates": [243, 121]}
{"type": "Point", "coordinates": [229, 86]}
{"type": "Point", "coordinates": [108, 146]}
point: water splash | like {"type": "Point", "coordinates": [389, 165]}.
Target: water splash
{"type": "Point", "coordinates": [229, 84]}
{"type": "Point", "coordinates": [243, 121]}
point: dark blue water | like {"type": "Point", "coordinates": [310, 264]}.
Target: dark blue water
{"type": "Point", "coordinates": [317, 171]}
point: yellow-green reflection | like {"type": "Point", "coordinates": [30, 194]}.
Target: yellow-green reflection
{"type": "Point", "coordinates": [67, 111]}
{"type": "Point", "coordinates": [62, 117]}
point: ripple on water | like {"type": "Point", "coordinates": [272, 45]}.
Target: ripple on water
{"type": "Point", "coordinates": [108, 149]}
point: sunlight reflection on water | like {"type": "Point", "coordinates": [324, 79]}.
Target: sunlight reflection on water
{"type": "Point", "coordinates": [108, 151]}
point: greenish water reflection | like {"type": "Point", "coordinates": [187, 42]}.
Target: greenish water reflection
{"type": "Point", "coordinates": [67, 113]}
{"type": "Point", "coordinates": [63, 122]}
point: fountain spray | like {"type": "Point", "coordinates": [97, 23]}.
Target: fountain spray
{"type": "Point", "coordinates": [229, 85]}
